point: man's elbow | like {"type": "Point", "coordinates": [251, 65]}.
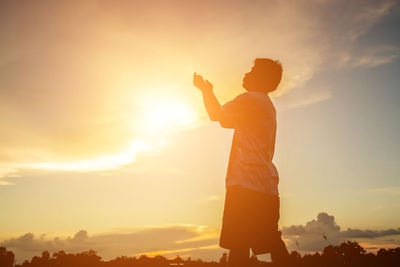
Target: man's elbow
{"type": "Point", "coordinates": [214, 118]}
{"type": "Point", "coordinates": [227, 124]}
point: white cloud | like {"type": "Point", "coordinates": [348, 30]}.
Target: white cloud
{"type": "Point", "coordinates": [369, 57]}
{"type": "Point", "coordinates": [301, 98]}
{"type": "Point", "coordinates": [105, 162]}
{"type": "Point", "coordinates": [189, 240]}
{"type": "Point", "coordinates": [320, 232]}
{"type": "Point", "coordinates": [196, 241]}
{"type": "Point", "coordinates": [329, 35]}
{"type": "Point", "coordinates": [307, 36]}
{"type": "Point", "coordinates": [9, 171]}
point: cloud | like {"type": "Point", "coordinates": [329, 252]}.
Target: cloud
{"type": "Point", "coordinates": [188, 240]}
{"type": "Point", "coordinates": [196, 241]}
{"type": "Point", "coordinates": [2, 182]}
{"type": "Point", "coordinates": [9, 171]}
{"type": "Point", "coordinates": [369, 57]}
{"type": "Point", "coordinates": [96, 164]}
{"type": "Point", "coordinates": [311, 236]}
{"type": "Point", "coordinates": [336, 41]}
{"type": "Point", "coordinates": [105, 162]}
{"type": "Point", "coordinates": [69, 110]}
{"type": "Point", "coordinates": [301, 98]}
{"type": "Point", "coordinates": [357, 233]}
{"type": "Point", "coordinates": [393, 190]}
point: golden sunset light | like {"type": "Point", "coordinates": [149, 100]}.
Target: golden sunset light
{"type": "Point", "coordinates": [101, 163]}
{"type": "Point", "coordinates": [161, 115]}
{"type": "Point", "coordinates": [219, 133]}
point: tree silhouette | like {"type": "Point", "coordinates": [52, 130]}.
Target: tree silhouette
{"type": "Point", "coordinates": [6, 257]}
{"type": "Point", "coordinates": [349, 253]}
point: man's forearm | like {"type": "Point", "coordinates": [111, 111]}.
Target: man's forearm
{"type": "Point", "coordinates": [212, 105]}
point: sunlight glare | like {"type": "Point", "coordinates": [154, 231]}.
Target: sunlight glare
{"type": "Point", "coordinates": [158, 117]}
{"type": "Point", "coordinates": [162, 116]}
{"type": "Point", "coordinates": [101, 163]}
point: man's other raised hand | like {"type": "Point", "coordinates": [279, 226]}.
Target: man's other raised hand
{"type": "Point", "coordinates": [199, 82]}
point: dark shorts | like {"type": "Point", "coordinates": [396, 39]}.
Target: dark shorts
{"type": "Point", "coordinates": [250, 220]}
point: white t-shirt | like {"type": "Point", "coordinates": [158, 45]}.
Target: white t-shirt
{"type": "Point", "coordinates": [250, 163]}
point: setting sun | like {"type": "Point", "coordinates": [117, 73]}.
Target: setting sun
{"type": "Point", "coordinates": [147, 130]}
{"type": "Point", "coordinates": [163, 115]}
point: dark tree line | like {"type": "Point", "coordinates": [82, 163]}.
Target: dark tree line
{"type": "Point", "coordinates": [347, 254]}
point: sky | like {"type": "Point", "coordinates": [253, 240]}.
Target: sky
{"type": "Point", "coordinates": [105, 143]}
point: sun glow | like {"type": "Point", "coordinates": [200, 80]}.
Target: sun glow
{"type": "Point", "coordinates": [158, 117]}
{"type": "Point", "coordinates": [164, 115]}
{"type": "Point", "coordinates": [105, 162]}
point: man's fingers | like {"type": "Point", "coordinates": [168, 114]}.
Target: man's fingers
{"type": "Point", "coordinates": [200, 79]}
{"type": "Point", "coordinates": [200, 83]}
{"type": "Point", "coordinates": [197, 80]}
{"type": "Point", "coordinates": [195, 77]}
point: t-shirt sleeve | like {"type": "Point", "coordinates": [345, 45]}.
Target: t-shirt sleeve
{"type": "Point", "coordinates": [234, 112]}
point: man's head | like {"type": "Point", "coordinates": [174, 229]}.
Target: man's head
{"type": "Point", "coordinates": [264, 76]}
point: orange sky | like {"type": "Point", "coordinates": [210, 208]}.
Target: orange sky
{"type": "Point", "coordinates": [102, 129]}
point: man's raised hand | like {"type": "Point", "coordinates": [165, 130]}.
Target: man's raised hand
{"type": "Point", "coordinates": [199, 82]}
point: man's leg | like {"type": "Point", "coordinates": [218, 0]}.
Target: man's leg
{"type": "Point", "coordinates": [238, 257]}
{"type": "Point", "coordinates": [279, 252]}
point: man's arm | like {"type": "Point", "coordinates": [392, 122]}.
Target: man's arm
{"type": "Point", "coordinates": [211, 102]}
{"type": "Point", "coordinates": [212, 105]}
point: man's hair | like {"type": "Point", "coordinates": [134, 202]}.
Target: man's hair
{"type": "Point", "coordinates": [272, 70]}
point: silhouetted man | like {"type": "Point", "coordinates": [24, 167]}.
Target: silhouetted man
{"type": "Point", "coordinates": [251, 211]}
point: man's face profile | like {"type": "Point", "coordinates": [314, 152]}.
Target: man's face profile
{"type": "Point", "coordinates": [253, 80]}
{"type": "Point", "coordinates": [264, 76]}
